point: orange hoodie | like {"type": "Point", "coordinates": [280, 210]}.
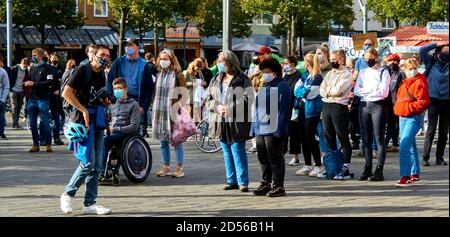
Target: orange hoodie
{"type": "Point", "coordinates": [418, 88]}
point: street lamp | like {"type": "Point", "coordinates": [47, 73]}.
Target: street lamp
{"type": "Point", "coordinates": [9, 32]}
{"type": "Point", "coordinates": [364, 11]}
{"type": "Point", "coordinates": [226, 32]}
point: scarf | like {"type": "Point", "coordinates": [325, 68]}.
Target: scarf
{"type": "Point", "coordinates": [162, 103]}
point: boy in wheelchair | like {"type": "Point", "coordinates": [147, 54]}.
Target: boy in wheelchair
{"type": "Point", "coordinates": [124, 119]}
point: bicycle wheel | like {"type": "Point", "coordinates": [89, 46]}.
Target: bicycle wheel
{"type": "Point", "coordinates": [203, 142]}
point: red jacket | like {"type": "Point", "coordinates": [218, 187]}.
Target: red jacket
{"type": "Point", "coordinates": [418, 88]}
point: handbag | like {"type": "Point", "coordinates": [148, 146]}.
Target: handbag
{"type": "Point", "coordinates": [183, 127]}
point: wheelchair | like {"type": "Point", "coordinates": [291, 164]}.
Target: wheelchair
{"type": "Point", "coordinates": [134, 156]}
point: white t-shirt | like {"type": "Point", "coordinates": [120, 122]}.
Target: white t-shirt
{"type": "Point", "coordinates": [370, 86]}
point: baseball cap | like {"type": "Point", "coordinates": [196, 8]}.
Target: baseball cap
{"type": "Point", "coordinates": [393, 57]}
{"type": "Point", "coordinates": [264, 50]}
{"type": "Point", "coordinates": [131, 41]}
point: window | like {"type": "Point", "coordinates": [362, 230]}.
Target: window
{"type": "Point", "coordinates": [101, 8]}
{"type": "Point", "coordinates": [263, 19]}
{"type": "Point", "coordinates": [388, 24]}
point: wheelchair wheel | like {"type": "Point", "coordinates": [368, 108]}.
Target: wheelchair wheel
{"type": "Point", "coordinates": [136, 159]}
{"type": "Point", "coordinates": [203, 142]}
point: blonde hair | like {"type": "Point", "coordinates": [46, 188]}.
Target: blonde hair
{"type": "Point", "coordinates": [192, 66]}
{"type": "Point", "coordinates": [314, 62]}
{"type": "Point", "coordinates": [410, 62]}
{"type": "Point", "coordinates": [341, 54]}
{"type": "Point", "coordinates": [174, 64]}
{"type": "Point", "coordinates": [372, 51]}
{"type": "Point", "coordinates": [70, 63]}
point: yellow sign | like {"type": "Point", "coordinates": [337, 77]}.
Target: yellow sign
{"type": "Point", "coordinates": [358, 40]}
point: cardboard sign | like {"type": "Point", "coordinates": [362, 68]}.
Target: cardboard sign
{"type": "Point", "coordinates": [345, 43]}
{"type": "Point", "coordinates": [358, 40]}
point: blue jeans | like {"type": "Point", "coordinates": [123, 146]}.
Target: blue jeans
{"type": "Point", "coordinates": [40, 107]}
{"type": "Point", "coordinates": [322, 141]}
{"type": "Point", "coordinates": [88, 172]}
{"type": "Point", "coordinates": [115, 139]}
{"type": "Point", "coordinates": [165, 150]}
{"type": "Point", "coordinates": [2, 117]}
{"type": "Point", "coordinates": [409, 157]}
{"type": "Point", "coordinates": [236, 163]}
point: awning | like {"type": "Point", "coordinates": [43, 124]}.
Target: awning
{"type": "Point", "coordinates": [31, 36]}
{"type": "Point", "coordinates": [216, 42]}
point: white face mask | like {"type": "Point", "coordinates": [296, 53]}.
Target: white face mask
{"type": "Point", "coordinates": [411, 73]}
{"type": "Point", "coordinates": [267, 77]}
{"type": "Point", "coordinates": [164, 63]}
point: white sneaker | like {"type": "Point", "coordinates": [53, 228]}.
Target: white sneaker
{"type": "Point", "coordinates": [304, 171]}
{"type": "Point", "coordinates": [294, 162]}
{"type": "Point", "coordinates": [315, 171]}
{"type": "Point", "coordinates": [96, 209]}
{"type": "Point", "coordinates": [322, 175]}
{"type": "Point", "coordinates": [66, 203]}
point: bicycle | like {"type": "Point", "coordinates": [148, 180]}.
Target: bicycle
{"type": "Point", "coordinates": [203, 142]}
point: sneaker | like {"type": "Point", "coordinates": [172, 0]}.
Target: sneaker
{"type": "Point", "coordinates": [322, 175]}
{"type": "Point", "coordinates": [315, 171]}
{"type": "Point", "coordinates": [276, 192]}
{"type": "Point", "coordinates": [304, 171]}
{"type": "Point", "coordinates": [441, 162]}
{"type": "Point", "coordinates": [58, 142]}
{"type": "Point", "coordinates": [425, 163]}
{"type": "Point", "coordinates": [35, 148]}
{"type": "Point", "coordinates": [49, 148]}
{"type": "Point", "coordinates": [165, 171]}
{"type": "Point", "coordinates": [179, 172]}
{"type": "Point", "coordinates": [294, 162]}
{"type": "Point", "coordinates": [3, 137]}
{"type": "Point", "coordinates": [377, 175]}
{"type": "Point", "coordinates": [415, 178]}
{"type": "Point", "coordinates": [344, 174]}
{"type": "Point", "coordinates": [243, 188]}
{"type": "Point", "coordinates": [96, 209]}
{"type": "Point", "coordinates": [231, 187]}
{"type": "Point", "coordinates": [355, 146]}
{"type": "Point", "coordinates": [103, 180]}
{"type": "Point", "coordinates": [262, 189]}
{"type": "Point", "coordinates": [252, 150]}
{"type": "Point", "coordinates": [404, 182]}
{"type": "Point", "coordinates": [366, 174]}
{"type": "Point", "coordinates": [392, 149]}
{"type": "Point", "coordinates": [66, 203]}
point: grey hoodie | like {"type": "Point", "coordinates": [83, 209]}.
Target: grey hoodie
{"type": "Point", "coordinates": [124, 116]}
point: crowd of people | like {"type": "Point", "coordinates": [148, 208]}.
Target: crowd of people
{"type": "Point", "coordinates": [330, 104]}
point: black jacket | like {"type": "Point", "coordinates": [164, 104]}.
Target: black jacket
{"type": "Point", "coordinates": [43, 77]}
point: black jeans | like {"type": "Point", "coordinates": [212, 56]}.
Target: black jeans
{"type": "Point", "coordinates": [393, 128]}
{"type": "Point", "coordinates": [17, 102]}
{"type": "Point", "coordinates": [335, 119]}
{"type": "Point", "coordinates": [57, 112]}
{"type": "Point", "coordinates": [311, 145]}
{"type": "Point", "coordinates": [374, 121]}
{"type": "Point", "coordinates": [353, 125]}
{"type": "Point", "coordinates": [271, 160]}
{"type": "Point", "coordinates": [144, 123]}
{"type": "Point", "coordinates": [437, 111]}
{"type": "Point", "coordinates": [297, 135]}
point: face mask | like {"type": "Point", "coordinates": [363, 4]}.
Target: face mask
{"type": "Point", "coordinates": [267, 77]}
{"type": "Point", "coordinates": [444, 57]}
{"type": "Point", "coordinates": [371, 62]}
{"type": "Point", "coordinates": [402, 62]}
{"type": "Point", "coordinates": [129, 50]}
{"type": "Point", "coordinates": [118, 93]}
{"type": "Point", "coordinates": [164, 63]}
{"type": "Point", "coordinates": [102, 62]}
{"type": "Point", "coordinates": [411, 73]}
{"type": "Point", "coordinates": [394, 66]}
{"type": "Point", "coordinates": [321, 58]}
{"type": "Point", "coordinates": [335, 65]}
{"type": "Point", "coordinates": [366, 47]}
{"type": "Point", "coordinates": [55, 62]}
{"type": "Point", "coordinates": [34, 59]}
{"type": "Point", "coordinates": [221, 67]}
{"type": "Point", "coordinates": [287, 68]}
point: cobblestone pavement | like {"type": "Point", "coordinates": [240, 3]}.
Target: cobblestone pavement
{"type": "Point", "coordinates": [31, 184]}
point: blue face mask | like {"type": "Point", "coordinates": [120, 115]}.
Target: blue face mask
{"type": "Point", "coordinates": [366, 47]}
{"type": "Point", "coordinates": [102, 62]}
{"type": "Point", "coordinates": [129, 50]}
{"type": "Point", "coordinates": [118, 93]}
{"type": "Point", "coordinates": [444, 57]}
{"type": "Point", "coordinates": [34, 59]}
{"type": "Point", "coordinates": [221, 67]}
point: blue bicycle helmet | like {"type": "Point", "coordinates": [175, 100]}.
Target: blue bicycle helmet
{"type": "Point", "coordinates": [75, 132]}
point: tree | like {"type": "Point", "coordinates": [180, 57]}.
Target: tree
{"type": "Point", "coordinates": [210, 19]}
{"type": "Point", "coordinates": [44, 15]}
{"type": "Point", "coordinates": [299, 18]}
{"type": "Point", "coordinates": [402, 11]}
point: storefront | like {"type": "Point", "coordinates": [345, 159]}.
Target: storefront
{"type": "Point", "coordinates": [174, 40]}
